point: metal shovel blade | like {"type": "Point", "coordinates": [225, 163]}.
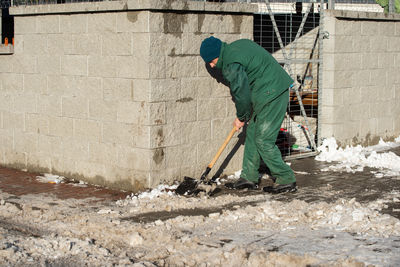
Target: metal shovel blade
{"type": "Point", "coordinates": [187, 186]}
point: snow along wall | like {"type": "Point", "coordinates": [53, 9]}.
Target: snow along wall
{"type": "Point", "coordinates": [115, 93]}
{"type": "Point", "coordinates": [359, 101]}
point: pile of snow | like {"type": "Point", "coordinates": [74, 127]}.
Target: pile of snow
{"type": "Point", "coordinates": [354, 159]}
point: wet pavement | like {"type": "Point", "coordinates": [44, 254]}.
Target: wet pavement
{"type": "Point", "coordinates": [17, 183]}
{"type": "Point", "coordinates": [313, 185]}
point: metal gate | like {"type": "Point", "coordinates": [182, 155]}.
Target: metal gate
{"type": "Point", "coordinates": [291, 31]}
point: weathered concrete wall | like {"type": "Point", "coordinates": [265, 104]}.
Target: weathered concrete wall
{"type": "Point", "coordinates": [118, 97]}
{"type": "Point", "coordinates": [361, 82]}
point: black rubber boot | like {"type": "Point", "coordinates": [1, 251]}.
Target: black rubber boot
{"type": "Point", "coordinates": [242, 183]}
{"type": "Point", "coordinates": [281, 188]}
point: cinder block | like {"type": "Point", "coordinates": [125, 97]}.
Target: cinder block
{"type": "Point", "coordinates": [87, 87]}
{"type": "Point", "coordinates": [156, 113]}
{"type": "Point", "coordinates": [230, 108]}
{"type": "Point", "coordinates": [6, 141]}
{"type": "Point", "coordinates": [116, 44]}
{"type": "Point", "coordinates": [6, 102]}
{"type": "Point", "coordinates": [370, 60]}
{"type": "Point", "coordinates": [25, 142]}
{"type": "Point", "coordinates": [377, 77]}
{"type": "Point", "coordinates": [12, 120]}
{"type": "Point", "coordinates": [74, 23]}
{"type": "Point", "coordinates": [133, 21]}
{"type": "Point", "coordinates": [99, 66]}
{"type": "Point", "coordinates": [196, 87]}
{"type": "Point", "coordinates": [134, 158]}
{"type": "Point", "coordinates": [141, 90]}
{"type": "Point", "coordinates": [49, 105]}
{"type": "Point", "coordinates": [385, 60]}
{"type": "Point", "coordinates": [174, 66]}
{"type": "Point", "coordinates": [361, 78]}
{"type": "Point", "coordinates": [166, 44]}
{"type": "Point", "coordinates": [24, 64]}
{"type": "Point", "coordinates": [25, 103]}
{"type": "Point", "coordinates": [60, 126]}
{"type": "Point", "coordinates": [132, 112]}
{"type": "Point", "coordinates": [181, 156]}
{"type": "Point", "coordinates": [397, 29]}
{"type": "Point", "coordinates": [128, 179]}
{"type": "Point", "coordinates": [378, 43]}
{"type": "Point", "coordinates": [211, 108]}
{"type": "Point", "coordinates": [35, 84]}
{"type": "Point", "coordinates": [35, 44]}
{"type": "Point", "coordinates": [39, 162]}
{"type": "Point", "coordinates": [87, 130]}
{"type": "Point", "coordinates": [352, 95]}
{"type": "Point", "coordinates": [163, 89]}
{"type": "Point", "coordinates": [142, 136]}
{"type": "Point", "coordinates": [51, 145]}
{"type": "Point", "coordinates": [141, 45]}
{"type": "Point", "coordinates": [74, 65]}
{"type": "Point", "coordinates": [393, 44]}
{"type": "Point", "coordinates": [157, 22]}
{"type": "Point", "coordinates": [49, 64]}
{"type": "Point", "coordinates": [92, 171]}
{"type": "Point", "coordinates": [359, 112]}
{"type": "Point", "coordinates": [128, 67]}
{"type": "Point", "coordinates": [103, 153]}
{"type": "Point", "coordinates": [385, 125]}
{"type": "Point", "coordinates": [195, 132]}
{"type": "Point", "coordinates": [343, 44]}
{"type": "Point", "coordinates": [103, 110]}
{"type": "Point", "coordinates": [191, 23]}
{"type": "Point", "coordinates": [370, 28]}
{"type": "Point", "coordinates": [387, 28]}
{"type": "Point", "coordinates": [25, 25]}
{"type": "Point", "coordinates": [85, 44]}
{"type": "Point", "coordinates": [181, 110]}
{"type": "Point", "coordinates": [12, 82]}
{"type": "Point", "coordinates": [165, 135]}
{"type": "Point", "coordinates": [102, 23]}
{"type": "Point", "coordinates": [369, 93]}
{"type": "Point", "coordinates": [344, 28]}
{"type": "Point", "coordinates": [15, 159]}
{"type": "Point", "coordinates": [74, 107]}
{"type": "Point", "coordinates": [191, 43]}
{"type": "Point", "coordinates": [247, 25]}
{"type": "Point", "coordinates": [118, 89]}
{"type": "Point", "coordinates": [332, 96]}
{"type": "Point", "coordinates": [64, 166]}
{"type": "Point", "coordinates": [220, 128]}
{"type": "Point", "coordinates": [167, 176]}
{"type": "Point", "coordinates": [119, 133]}
{"type": "Point", "coordinates": [48, 24]}
{"type": "Point", "coordinates": [76, 150]}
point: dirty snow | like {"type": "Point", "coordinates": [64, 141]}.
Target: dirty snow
{"type": "Point", "coordinates": [159, 228]}
{"type": "Point", "coordinates": [355, 159]}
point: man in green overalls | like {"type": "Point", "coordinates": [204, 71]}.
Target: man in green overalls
{"type": "Point", "coordinates": [260, 87]}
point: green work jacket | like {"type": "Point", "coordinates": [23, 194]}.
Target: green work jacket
{"type": "Point", "coordinates": [255, 77]}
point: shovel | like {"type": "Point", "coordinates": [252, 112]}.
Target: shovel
{"type": "Point", "coordinates": [189, 185]}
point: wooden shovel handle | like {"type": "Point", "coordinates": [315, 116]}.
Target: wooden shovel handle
{"type": "Point", "coordinates": [228, 138]}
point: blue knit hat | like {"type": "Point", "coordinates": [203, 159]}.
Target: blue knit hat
{"type": "Point", "coordinates": [210, 48]}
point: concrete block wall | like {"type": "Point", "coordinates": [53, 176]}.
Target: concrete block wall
{"type": "Point", "coordinates": [120, 99]}
{"type": "Point", "coordinates": [361, 83]}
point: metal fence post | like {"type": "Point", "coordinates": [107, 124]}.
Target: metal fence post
{"type": "Point", "coordinates": [331, 4]}
{"type": "Point", "coordinates": [391, 7]}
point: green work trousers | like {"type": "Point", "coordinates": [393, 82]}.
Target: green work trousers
{"type": "Point", "coordinates": [261, 134]}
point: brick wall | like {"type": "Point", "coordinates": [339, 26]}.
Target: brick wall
{"type": "Point", "coordinates": [117, 98]}
{"type": "Point", "coordinates": [361, 82]}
